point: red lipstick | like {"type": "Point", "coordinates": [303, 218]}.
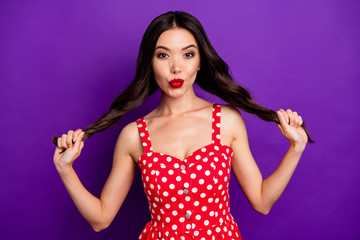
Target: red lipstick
{"type": "Point", "coordinates": [176, 83]}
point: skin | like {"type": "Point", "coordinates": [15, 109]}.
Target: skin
{"type": "Point", "coordinates": [180, 125]}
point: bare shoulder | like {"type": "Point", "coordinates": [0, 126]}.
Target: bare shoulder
{"type": "Point", "coordinates": [232, 124]}
{"type": "Point", "coordinates": [230, 116]}
{"type": "Point", "coordinates": [129, 142]}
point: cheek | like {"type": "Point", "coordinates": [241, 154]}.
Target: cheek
{"type": "Point", "coordinates": [193, 68]}
{"type": "Point", "coordinates": [159, 69]}
{"type": "Point", "coordinates": [159, 74]}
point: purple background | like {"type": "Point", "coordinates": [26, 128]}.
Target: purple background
{"type": "Point", "coordinates": [63, 62]}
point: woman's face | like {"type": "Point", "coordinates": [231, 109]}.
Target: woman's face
{"type": "Point", "coordinates": [176, 61]}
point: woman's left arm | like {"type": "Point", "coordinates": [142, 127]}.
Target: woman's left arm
{"type": "Point", "coordinates": [262, 194]}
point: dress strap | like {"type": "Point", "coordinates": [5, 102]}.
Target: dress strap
{"type": "Point", "coordinates": [144, 134]}
{"type": "Point", "coordinates": [216, 116]}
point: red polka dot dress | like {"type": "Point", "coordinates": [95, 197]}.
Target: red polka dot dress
{"type": "Point", "coordinates": [188, 199]}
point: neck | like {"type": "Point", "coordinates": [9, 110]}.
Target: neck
{"type": "Point", "coordinates": [178, 105]}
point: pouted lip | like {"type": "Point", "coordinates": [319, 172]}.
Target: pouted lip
{"type": "Point", "coordinates": [176, 81]}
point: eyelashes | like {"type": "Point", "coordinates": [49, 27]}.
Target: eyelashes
{"type": "Point", "coordinates": [161, 55]}
{"type": "Point", "coordinates": [187, 55]}
{"type": "Point", "coordinates": [190, 54]}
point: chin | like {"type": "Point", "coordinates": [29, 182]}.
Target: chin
{"type": "Point", "coordinates": [175, 92]}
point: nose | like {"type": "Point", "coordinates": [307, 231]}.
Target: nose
{"type": "Point", "coordinates": [175, 66]}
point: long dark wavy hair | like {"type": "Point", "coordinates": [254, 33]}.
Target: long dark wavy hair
{"type": "Point", "coordinates": [213, 77]}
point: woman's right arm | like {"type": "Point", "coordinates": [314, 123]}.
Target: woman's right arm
{"type": "Point", "coordinates": [99, 212]}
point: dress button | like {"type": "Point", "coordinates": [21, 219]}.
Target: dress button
{"type": "Point", "coordinates": [187, 215]}
{"type": "Point", "coordinates": [186, 191]}
{"type": "Point", "coordinates": [182, 167]}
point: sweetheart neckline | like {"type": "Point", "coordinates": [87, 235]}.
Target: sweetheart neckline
{"type": "Point", "coordinates": [178, 159]}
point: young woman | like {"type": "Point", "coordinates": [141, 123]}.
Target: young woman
{"type": "Point", "coordinates": [186, 146]}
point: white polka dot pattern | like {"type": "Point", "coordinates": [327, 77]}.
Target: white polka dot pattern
{"type": "Point", "coordinates": [188, 199]}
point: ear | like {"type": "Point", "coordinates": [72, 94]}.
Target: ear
{"type": "Point", "coordinates": [198, 67]}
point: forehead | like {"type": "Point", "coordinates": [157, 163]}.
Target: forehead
{"type": "Point", "coordinates": [176, 38]}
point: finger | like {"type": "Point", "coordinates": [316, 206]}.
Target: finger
{"type": "Point", "coordinates": [81, 145]}
{"type": "Point", "coordinates": [300, 121]}
{"type": "Point", "coordinates": [76, 134]}
{"type": "Point", "coordinates": [296, 119]}
{"type": "Point", "coordinates": [59, 143]}
{"type": "Point", "coordinates": [63, 141]}
{"type": "Point", "coordinates": [79, 141]}
{"type": "Point", "coordinates": [69, 138]}
{"type": "Point", "coordinates": [283, 122]}
{"type": "Point", "coordinates": [80, 135]}
{"type": "Point", "coordinates": [286, 116]}
{"type": "Point", "coordinates": [291, 117]}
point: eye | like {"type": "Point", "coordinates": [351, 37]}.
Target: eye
{"type": "Point", "coordinates": [162, 55]}
{"type": "Point", "coordinates": [189, 54]}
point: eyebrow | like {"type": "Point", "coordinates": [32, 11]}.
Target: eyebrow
{"type": "Point", "coordinates": [191, 45]}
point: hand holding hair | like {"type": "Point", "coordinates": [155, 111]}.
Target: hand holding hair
{"type": "Point", "coordinates": [291, 126]}
{"type": "Point", "coordinates": [68, 148]}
